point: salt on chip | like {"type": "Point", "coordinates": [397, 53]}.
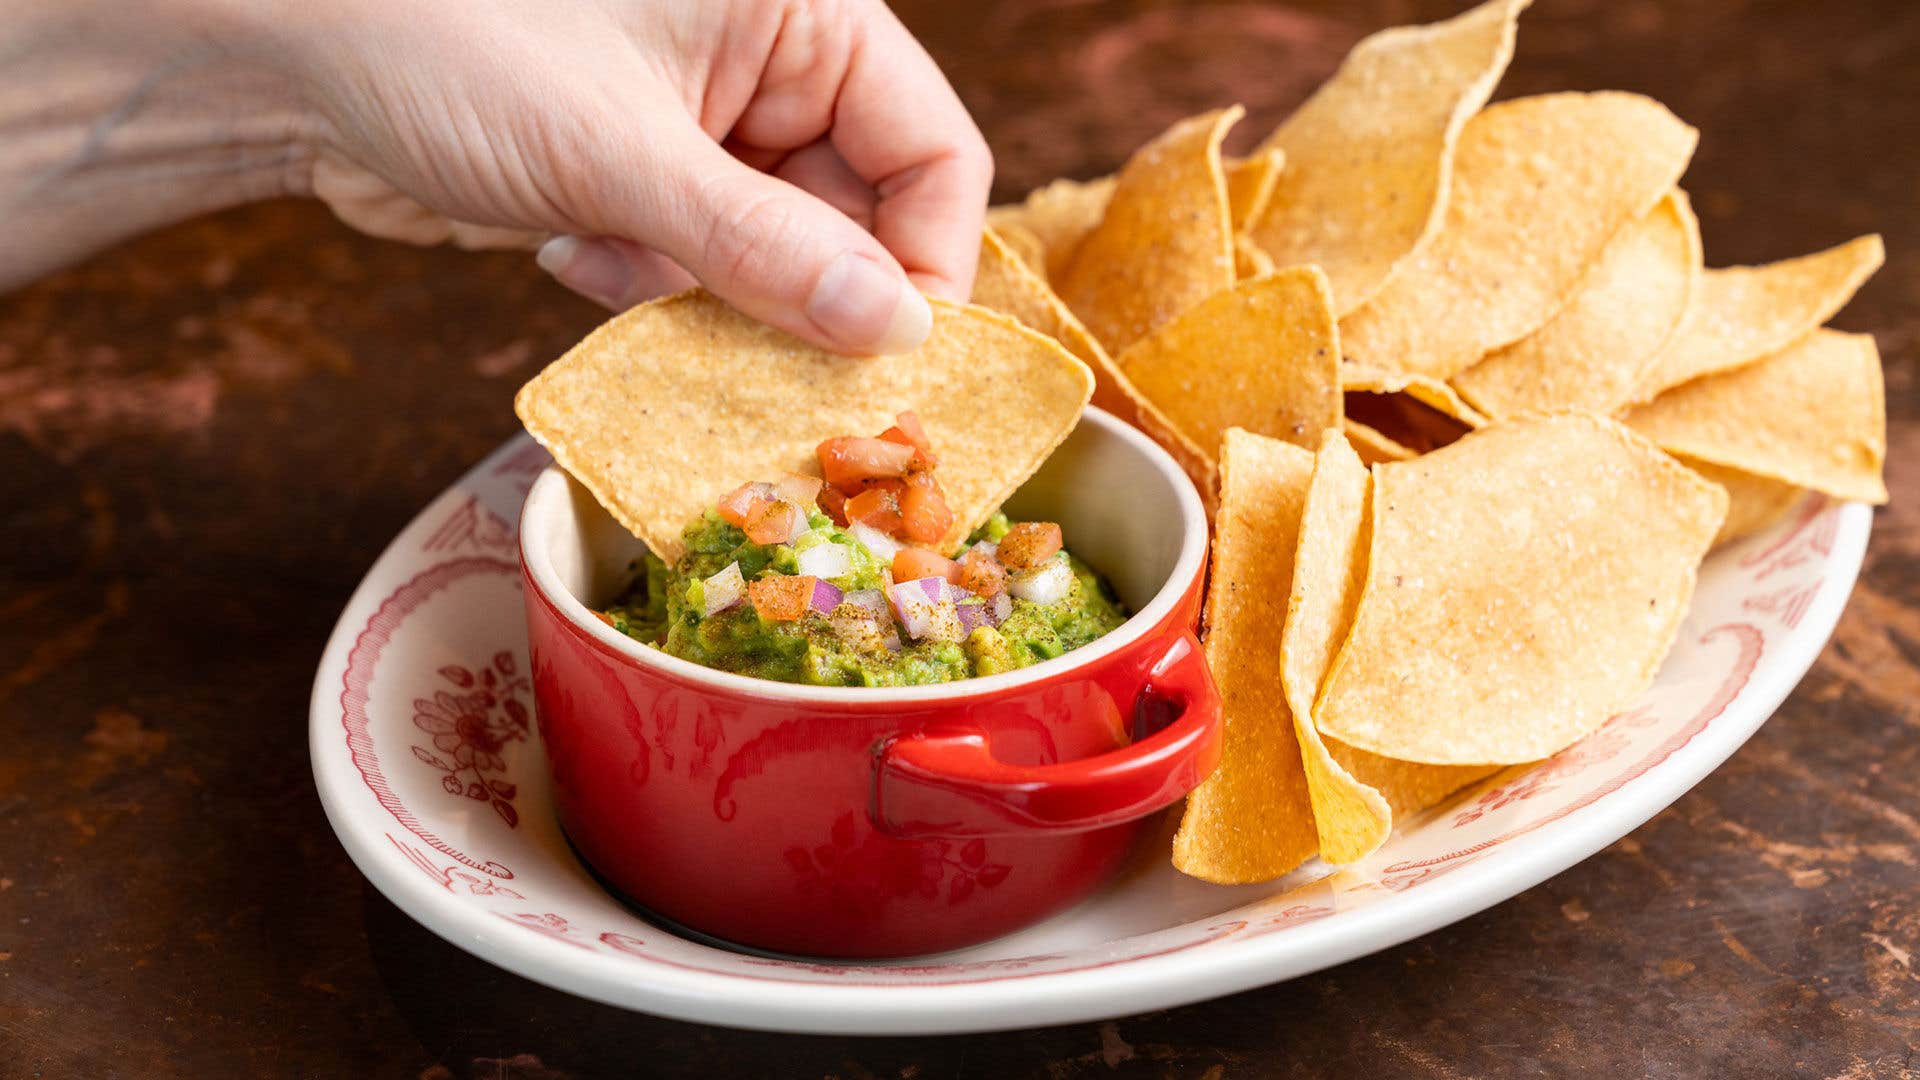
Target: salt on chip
{"type": "Point", "coordinates": [1250, 183]}
{"type": "Point", "coordinates": [665, 408]}
{"type": "Point", "coordinates": [1540, 186]}
{"type": "Point", "coordinates": [1165, 242]}
{"type": "Point", "coordinates": [1742, 313]}
{"type": "Point", "coordinates": [1753, 502]}
{"type": "Point", "coordinates": [1590, 355]}
{"type": "Point", "coordinates": [1372, 445]}
{"type": "Point", "coordinates": [1368, 155]}
{"type": "Point", "coordinates": [1059, 216]}
{"type": "Point", "coordinates": [1262, 355]}
{"type": "Point", "coordinates": [1252, 819]}
{"type": "Point", "coordinates": [1523, 585]}
{"type": "Point", "coordinates": [1812, 415]}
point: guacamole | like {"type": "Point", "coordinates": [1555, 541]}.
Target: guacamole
{"type": "Point", "coordinates": [845, 634]}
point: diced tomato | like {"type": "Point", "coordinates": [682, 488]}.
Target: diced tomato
{"type": "Point", "coordinates": [981, 575]}
{"type": "Point", "coordinates": [847, 460]}
{"type": "Point", "coordinates": [924, 514]}
{"type": "Point", "coordinates": [772, 522]}
{"type": "Point", "coordinates": [608, 619]}
{"type": "Point", "coordinates": [908, 431]}
{"type": "Point", "coordinates": [878, 506]}
{"type": "Point", "coordinates": [1029, 544]}
{"type": "Point", "coordinates": [833, 502]}
{"type": "Point", "coordinates": [796, 489]}
{"type": "Point", "coordinates": [782, 597]}
{"type": "Point", "coordinates": [912, 564]}
{"type": "Point", "coordinates": [740, 501]}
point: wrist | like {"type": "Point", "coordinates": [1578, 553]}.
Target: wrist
{"type": "Point", "coordinates": [116, 118]}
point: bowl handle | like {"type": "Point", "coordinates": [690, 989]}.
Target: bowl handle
{"type": "Point", "coordinates": [947, 783]}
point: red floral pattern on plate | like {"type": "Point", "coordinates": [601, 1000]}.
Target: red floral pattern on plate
{"type": "Point", "coordinates": [470, 725]}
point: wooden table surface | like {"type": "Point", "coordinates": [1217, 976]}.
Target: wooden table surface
{"type": "Point", "coordinates": [207, 436]}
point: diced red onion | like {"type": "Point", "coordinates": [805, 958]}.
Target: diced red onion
{"type": "Point", "coordinates": [953, 593]}
{"type": "Point", "coordinates": [826, 561]}
{"type": "Point", "coordinates": [799, 522]}
{"type": "Point", "coordinates": [972, 616]}
{"type": "Point", "coordinates": [723, 590]}
{"type": "Point", "coordinates": [1048, 583]}
{"type": "Point", "coordinates": [872, 600]}
{"type": "Point", "coordinates": [987, 548]}
{"type": "Point", "coordinates": [863, 621]}
{"type": "Point", "coordinates": [882, 546]}
{"type": "Point", "coordinates": [826, 597]}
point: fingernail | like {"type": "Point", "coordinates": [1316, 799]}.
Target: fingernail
{"type": "Point", "coordinates": [869, 308]}
{"type": "Point", "coordinates": [593, 270]}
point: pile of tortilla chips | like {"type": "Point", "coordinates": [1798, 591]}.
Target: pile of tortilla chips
{"type": "Point", "coordinates": [1469, 405]}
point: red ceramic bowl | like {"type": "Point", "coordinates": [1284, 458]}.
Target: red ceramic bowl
{"type": "Point", "coordinates": [860, 822]}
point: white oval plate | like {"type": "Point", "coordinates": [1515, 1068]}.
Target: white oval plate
{"type": "Point", "coordinates": [434, 781]}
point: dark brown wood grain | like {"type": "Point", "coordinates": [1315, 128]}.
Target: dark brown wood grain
{"type": "Point", "coordinates": [207, 436]}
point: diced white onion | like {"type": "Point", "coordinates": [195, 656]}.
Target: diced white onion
{"type": "Point", "coordinates": [723, 590]}
{"type": "Point", "coordinates": [883, 547]}
{"type": "Point", "coordinates": [1048, 583]}
{"type": "Point", "coordinates": [826, 561]}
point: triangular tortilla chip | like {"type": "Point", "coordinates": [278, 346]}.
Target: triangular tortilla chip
{"type": "Point", "coordinates": [1429, 391]}
{"type": "Point", "coordinates": [1023, 245]}
{"type": "Point", "coordinates": [1812, 415]}
{"type": "Point", "coordinates": [1262, 355]}
{"type": "Point", "coordinates": [1250, 183]}
{"type": "Point", "coordinates": [1594, 350]}
{"type": "Point", "coordinates": [1006, 284]}
{"type": "Point", "coordinates": [1059, 216]}
{"type": "Point", "coordinates": [1373, 447]}
{"type": "Point", "coordinates": [1540, 185]}
{"type": "Point", "coordinates": [670, 405]}
{"type": "Point", "coordinates": [1329, 563]}
{"type": "Point", "coordinates": [1753, 502]}
{"type": "Point", "coordinates": [1742, 313]}
{"type": "Point", "coordinates": [1523, 585]}
{"type": "Point", "coordinates": [1248, 260]}
{"type": "Point", "coordinates": [1252, 820]}
{"type": "Point", "coordinates": [1165, 242]}
{"type": "Point", "coordinates": [1368, 154]}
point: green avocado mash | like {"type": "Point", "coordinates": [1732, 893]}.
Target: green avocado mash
{"type": "Point", "coordinates": [663, 608]}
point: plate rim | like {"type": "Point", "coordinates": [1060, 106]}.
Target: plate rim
{"type": "Point", "coordinates": [1040, 999]}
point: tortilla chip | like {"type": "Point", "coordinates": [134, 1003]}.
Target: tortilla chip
{"type": "Point", "coordinates": [1165, 242]}
{"type": "Point", "coordinates": [1369, 153]}
{"type": "Point", "coordinates": [1252, 820]}
{"type": "Point", "coordinates": [1540, 185]}
{"type": "Point", "coordinates": [1753, 502]}
{"type": "Point", "coordinates": [1059, 216]}
{"type": "Point", "coordinates": [1437, 395]}
{"type": "Point", "coordinates": [1743, 313]}
{"type": "Point", "coordinates": [1350, 818]}
{"type": "Point", "coordinates": [1023, 245]}
{"type": "Point", "coordinates": [1408, 786]}
{"type": "Point", "coordinates": [1248, 260]}
{"type": "Point", "coordinates": [1589, 356]}
{"type": "Point", "coordinates": [1262, 355]}
{"type": "Point", "coordinates": [1250, 182]}
{"type": "Point", "coordinates": [1373, 447]}
{"type": "Point", "coordinates": [1007, 285]}
{"type": "Point", "coordinates": [1523, 585]}
{"type": "Point", "coordinates": [667, 407]}
{"type": "Point", "coordinates": [1812, 415]}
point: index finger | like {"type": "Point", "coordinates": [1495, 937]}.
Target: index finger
{"type": "Point", "coordinates": [902, 128]}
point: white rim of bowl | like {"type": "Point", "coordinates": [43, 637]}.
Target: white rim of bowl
{"type": "Point", "coordinates": [1186, 567]}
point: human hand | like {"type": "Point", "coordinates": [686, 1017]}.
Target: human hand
{"type": "Point", "coordinates": [805, 161]}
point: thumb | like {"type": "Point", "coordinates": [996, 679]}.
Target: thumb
{"type": "Point", "coordinates": [774, 251]}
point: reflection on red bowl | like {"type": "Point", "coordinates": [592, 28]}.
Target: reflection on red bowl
{"type": "Point", "coordinates": [858, 822]}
